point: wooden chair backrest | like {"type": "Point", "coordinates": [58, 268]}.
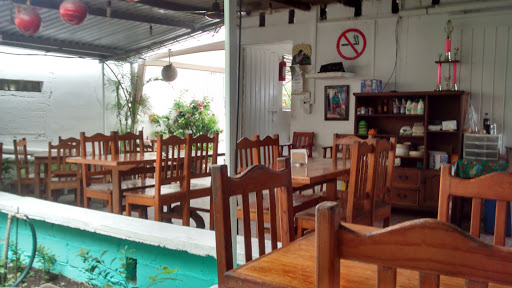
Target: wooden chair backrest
{"type": "Point", "coordinates": [361, 177]}
{"type": "Point", "coordinates": [303, 140]}
{"type": "Point", "coordinates": [252, 181]}
{"type": "Point", "coordinates": [202, 151]}
{"type": "Point", "coordinates": [171, 166]}
{"type": "Point", "coordinates": [97, 145]}
{"type": "Point", "coordinates": [494, 186]}
{"type": "Point", "coordinates": [130, 142]}
{"type": "Point", "coordinates": [384, 159]}
{"type": "Point", "coordinates": [342, 143]}
{"type": "Point", "coordinates": [21, 158]}
{"type": "Point", "coordinates": [257, 151]}
{"type": "Point", "coordinates": [57, 165]}
{"type": "Point", "coordinates": [429, 246]}
{"type": "Point", "coordinates": [71, 140]}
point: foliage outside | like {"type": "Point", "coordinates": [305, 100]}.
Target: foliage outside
{"type": "Point", "coordinates": [15, 266]}
{"type": "Point", "coordinates": [194, 117]}
{"type": "Point", "coordinates": [128, 108]}
{"type": "Point", "coordinates": [7, 169]}
{"type": "Point", "coordinates": [108, 274]}
{"type": "Point", "coordinates": [46, 259]}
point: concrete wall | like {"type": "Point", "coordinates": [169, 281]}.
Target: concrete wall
{"type": "Point", "coordinates": [483, 38]}
{"type": "Point", "coordinates": [71, 100]}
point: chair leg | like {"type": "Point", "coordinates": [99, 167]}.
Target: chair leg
{"type": "Point", "coordinates": [386, 222]}
{"type": "Point", "coordinates": [300, 231]}
{"type": "Point", "coordinates": [185, 212]}
{"type": "Point", "coordinates": [158, 210]}
{"type": "Point", "coordinates": [86, 201]}
{"type": "Point", "coordinates": [211, 214]}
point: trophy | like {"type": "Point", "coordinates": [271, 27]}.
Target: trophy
{"type": "Point", "coordinates": [447, 81]}
{"type": "Point", "coordinates": [448, 29]}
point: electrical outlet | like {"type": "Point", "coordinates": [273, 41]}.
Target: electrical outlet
{"type": "Point", "coordinates": [307, 108]}
{"type": "Point", "coordinates": [307, 97]}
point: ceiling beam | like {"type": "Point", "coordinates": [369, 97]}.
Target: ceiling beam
{"type": "Point", "coordinates": [294, 4]}
{"type": "Point", "coordinates": [115, 14]}
{"type": "Point", "coordinates": [174, 6]}
{"type": "Point", "coordinates": [158, 44]}
{"type": "Point", "coordinates": [58, 46]}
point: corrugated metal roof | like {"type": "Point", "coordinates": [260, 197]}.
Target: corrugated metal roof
{"type": "Point", "coordinates": [132, 29]}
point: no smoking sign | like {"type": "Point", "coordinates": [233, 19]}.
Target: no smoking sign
{"type": "Point", "coordinates": [351, 44]}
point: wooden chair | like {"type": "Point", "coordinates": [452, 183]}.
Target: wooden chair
{"type": "Point", "coordinates": [257, 151]}
{"type": "Point", "coordinates": [358, 206]}
{"type": "Point", "coordinates": [23, 175]}
{"type": "Point", "coordinates": [130, 142]}
{"type": "Point", "coordinates": [493, 186]}
{"type": "Point", "coordinates": [428, 246]}
{"type": "Point", "coordinates": [265, 152]}
{"type": "Point", "coordinates": [70, 140]}
{"type": "Point", "coordinates": [95, 178]}
{"type": "Point", "coordinates": [300, 140]}
{"type": "Point", "coordinates": [202, 151]}
{"type": "Point", "coordinates": [62, 175]}
{"type": "Point", "coordinates": [171, 179]}
{"type": "Point", "coordinates": [252, 182]}
{"type": "Point", "coordinates": [384, 163]}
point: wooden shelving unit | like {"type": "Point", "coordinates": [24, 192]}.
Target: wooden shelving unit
{"type": "Point", "coordinates": [414, 184]}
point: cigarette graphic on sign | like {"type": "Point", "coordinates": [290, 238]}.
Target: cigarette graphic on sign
{"type": "Point", "coordinates": [351, 44]}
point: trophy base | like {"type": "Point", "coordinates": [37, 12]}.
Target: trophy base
{"type": "Point", "coordinates": [455, 87]}
{"type": "Point", "coordinates": [448, 56]}
{"type": "Point", "coordinates": [438, 88]}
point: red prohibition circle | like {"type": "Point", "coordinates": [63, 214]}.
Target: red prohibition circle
{"type": "Point", "coordinates": [344, 36]}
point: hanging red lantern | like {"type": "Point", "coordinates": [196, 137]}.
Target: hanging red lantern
{"type": "Point", "coordinates": [282, 70]}
{"type": "Point", "coordinates": [73, 12]}
{"type": "Point", "coordinates": [27, 19]}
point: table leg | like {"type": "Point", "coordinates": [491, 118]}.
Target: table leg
{"type": "Point", "coordinates": [116, 192]}
{"type": "Point", "coordinates": [330, 190]}
{"type": "Point", "coordinates": [37, 175]}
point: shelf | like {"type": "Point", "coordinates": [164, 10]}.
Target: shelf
{"type": "Point", "coordinates": [392, 135]}
{"type": "Point", "coordinates": [443, 132]}
{"type": "Point", "coordinates": [411, 94]}
{"type": "Point", "coordinates": [392, 115]}
{"type": "Point", "coordinates": [448, 61]}
{"type": "Point", "coordinates": [410, 157]}
{"type": "Point", "coordinates": [331, 75]}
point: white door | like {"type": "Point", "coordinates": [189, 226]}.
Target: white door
{"type": "Point", "coordinates": [261, 98]}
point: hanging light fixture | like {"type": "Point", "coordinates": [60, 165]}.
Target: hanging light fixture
{"type": "Point", "coordinates": [169, 72]}
{"type": "Point", "coordinates": [73, 12]}
{"type": "Point", "coordinates": [27, 19]}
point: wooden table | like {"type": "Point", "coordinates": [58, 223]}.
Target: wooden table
{"type": "Point", "coordinates": [117, 163]}
{"type": "Point", "coordinates": [294, 266]}
{"type": "Point", "coordinates": [319, 171]}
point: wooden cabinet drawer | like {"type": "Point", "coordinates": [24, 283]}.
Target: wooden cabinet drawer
{"type": "Point", "coordinates": [406, 178]}
{"type": "Point", "coordinates": [404, 196]}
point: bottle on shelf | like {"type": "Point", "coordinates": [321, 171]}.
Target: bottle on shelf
{"type": "Point", "coordinates": [414, 109]}
{"type": "Point", "coordinates": [385, 108]}
{"type": "Point", "coordinates": [408, 107]}
{"type": "Point", "coordinates": [396, 106]}
{"type": "Point", "coordinates": [487, 123]}
{"type": "Point", "coordinates": [421, 107]}
{"type": "Point", "coordinates": [403, 107]}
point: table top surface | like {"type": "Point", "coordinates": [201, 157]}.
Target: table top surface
{"type": "Point", "coordinates": [294, 266]}
{"type": "Point", "coordinates": [317, 170]}
{"type": "Point", "coordinates": [115, 160]}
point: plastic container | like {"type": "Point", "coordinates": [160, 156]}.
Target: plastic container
{"type": "Point", "coordinates": [421, 107]}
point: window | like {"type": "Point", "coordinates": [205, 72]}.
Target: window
{"type": "Point", "coordinates": [287, 86]}
{"type": "Point", "coordinates": [21, 85]}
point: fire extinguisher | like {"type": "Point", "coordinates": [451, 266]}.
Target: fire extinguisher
{"type": "Point", "coordinates": [282, 70]}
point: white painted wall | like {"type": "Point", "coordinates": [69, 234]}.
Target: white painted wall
{"type": "Point", "coordinates": [483, 38]}
{"type": "Point", "coordinates": [71, 100]}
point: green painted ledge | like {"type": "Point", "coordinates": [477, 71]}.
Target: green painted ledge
{"type": "Point", "coordinates": [66, 229]}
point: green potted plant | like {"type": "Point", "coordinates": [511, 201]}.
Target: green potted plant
{"type": "Point", "coordinates": [184, 117]}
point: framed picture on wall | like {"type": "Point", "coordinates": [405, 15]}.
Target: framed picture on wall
{"type": "Point", "coordinates": [336, 102]}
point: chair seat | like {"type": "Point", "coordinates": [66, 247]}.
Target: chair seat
{"type": "Point", "coordinates": [200, 183]}
{"type": "Point", "coordinates": [150, 192]}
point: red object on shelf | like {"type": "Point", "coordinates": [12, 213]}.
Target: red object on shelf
{"type": "Point", "coordinates": [73, 12]}
{"type": "Point", "coordinates": [282, 70]}
{"type": "Point", "coordinates": [27, 19]}
{"type": "Point", "coordinates": [438, 74]}
{"type": "Point", "coordinates": [448, 45]}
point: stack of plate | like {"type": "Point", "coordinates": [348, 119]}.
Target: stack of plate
{"type": "Point", "coordinates": [402, 150]}
{"type": "Point", "coordinates": [362, 127]}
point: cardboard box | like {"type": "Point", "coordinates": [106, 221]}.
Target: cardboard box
{"type": "Point", "coordinates": [436, 158]}
{"type": "Point", "coordinates": [371, 85]}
